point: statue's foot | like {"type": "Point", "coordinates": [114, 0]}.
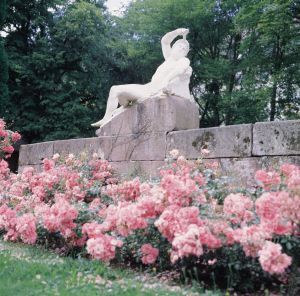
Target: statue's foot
{"type": "Point", "coordinates": [107, 118]}
{"type": "Point", "coordinates": [97, 124]}
{"type": "Point", "coordinates": [117, 111]}
{"type": "Point", "coordinates": [103, 121]}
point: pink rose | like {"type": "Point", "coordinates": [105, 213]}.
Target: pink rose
{"type": "Point", "coordinates": [149, 254]}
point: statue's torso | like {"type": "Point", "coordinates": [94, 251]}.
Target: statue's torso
{"type": "Point", "coordinates": [178, 85]}
{"type": "Point", "coordinates": [164, 69]}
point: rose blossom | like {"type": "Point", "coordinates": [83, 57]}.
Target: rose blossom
{"type": "Point", "coordinates": [267, 179]}
{"type": "Point", "coordinates": [149, 254]}
{"type": "Point", "coordinates": [272, 260]}
{"type": "Point", "coordinates": [103, 247]}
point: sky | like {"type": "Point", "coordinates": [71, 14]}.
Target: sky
{"type": "Point", "coordinates": [114, 6]}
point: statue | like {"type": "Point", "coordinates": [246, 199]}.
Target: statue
{"type": "Point", "coordinates": [172, 77]}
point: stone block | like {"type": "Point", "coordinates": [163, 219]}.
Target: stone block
{"type": "Point", "coordinates": [145, 170]}
{"type": "Point", "coordinates": [148, 146]}
{"type": "Point", "coordinates": [157, 114]}
{"type": "Point", "coordinates": [274, 162]}
{"type": "Point", "coordinates": [35, 153]}
{"type": "Point", "coordinates": [276, 138]}
{"type": "Point", "coordinates": [227, 141]}
{"type": "Point", "coordinates": [241, 171]}
{"type": "Point", "coordinates": [143, 146]}
{"type": "Point", "coordinates": [101, 146]}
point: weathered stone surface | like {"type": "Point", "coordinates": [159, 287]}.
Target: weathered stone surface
{"type": "Point", "coordinates": [276, 138]}
{"type": "Point", "coordinates": [227, 141]}
{"type": "Point", "coordinates": [143, 153]}
{"type": "Point", "coordinates": [158, 114]}
{"type": "Point", "coordinates": [35, 153]}
{"type": "Point", "coordinates": [145, 170]}
{"type": "Point", "coordinates": [241, 171]}
{"type": "Point", "coordinates": [267, 162]}
{"type": "Point", "coordinates": [101, 146]}
{"type": "Point", "coordinates": [148, 146]}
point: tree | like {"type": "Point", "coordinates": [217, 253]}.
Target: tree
{"type": "Point", "coordinates": [3, 63]}
{"type": "Point", "coordinates": [75, 83]}
{"type": "Point", "coordinates": [27, 22]}
{"type": "Point", "coordinates": [271, 53]}
{"type": "Point", "coordinates": [214, 51]}
{"type": "Point", "coordinates": [65, 55]}
{"type": "Point", "coordinates": [232, 50]}
{"type": "Point", "coordinates": [58, 72]}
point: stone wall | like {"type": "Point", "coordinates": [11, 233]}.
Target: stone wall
{"type": "Point", "coordinates": [239, 149]}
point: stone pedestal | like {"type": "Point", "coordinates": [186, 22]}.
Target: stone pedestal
{"type": "Point", "coordinates": [153, 115]}
{"type": "Point", "coordinates": [138, 132]}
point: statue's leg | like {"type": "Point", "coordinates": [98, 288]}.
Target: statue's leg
{"type": "Point", "coordinates": [122, 94]}
{"type": "Point", "coordinates": [132, 92]}
{"type": "Point", "coordinates": [111, 106]}
{"type": "Point", "coordinates": [112, 102]}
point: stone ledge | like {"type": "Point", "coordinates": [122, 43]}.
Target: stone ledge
{"type": "Point", "coordinates": [241, 171]}
{"type": "Point", "coordinates": [148, 146]}
{"type": "Point", "coordinates": [35, 153]}
{"type": "Point", "coordinates": [87, 145]}
{"type": "Point", "coordinates": [143, 169]}
{"type": "Point", "coordinates": [276, 138]}
{"type": "Point", "coordinates": [227, 141]}
{"type": "Point", "coordinates": [157, 114]}
{"type": "Point", "coordinates": [231, 146]}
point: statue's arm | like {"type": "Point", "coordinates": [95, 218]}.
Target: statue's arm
{"type": "Point", "coordinates": [168, 38]}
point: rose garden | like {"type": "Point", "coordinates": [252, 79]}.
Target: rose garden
{"type": "Point", "coordinates": [153, 204]}
{"type": "Point", "coordinates": [187, 220]}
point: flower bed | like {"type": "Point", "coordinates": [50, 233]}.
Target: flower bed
{"type": "Point", "coordinates": [189, 219]}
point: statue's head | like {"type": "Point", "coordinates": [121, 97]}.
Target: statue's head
{"type": "Point", "coordinates": [180, 49]}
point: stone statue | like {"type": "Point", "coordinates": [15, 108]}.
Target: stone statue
{"type": "Point", "coordinates": [172, 77]}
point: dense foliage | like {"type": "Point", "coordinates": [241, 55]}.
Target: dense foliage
{"type": "Point", "coordinates": [58, 67]}
{"type": "Point", "coordinates": [244, 54]}
{"type": "Point", "coordinates": [65, 55]}
{"type": "Point", "coordinates": [188, 220]}
{"type": "Point", "coordinates": [3, 62]}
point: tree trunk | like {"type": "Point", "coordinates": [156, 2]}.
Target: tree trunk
{"type": "Point", "coordinates": [273, 102]}
{"type": "Point", "coordinates": [215, 92]}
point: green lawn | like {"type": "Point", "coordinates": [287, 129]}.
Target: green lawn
{"type": "Point", "coordinates": [27, 271]}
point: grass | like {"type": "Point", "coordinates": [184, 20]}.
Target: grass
{"type": "Point", "coordinates": [30, 271]}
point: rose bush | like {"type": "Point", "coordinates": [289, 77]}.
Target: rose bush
{"type": "Point", "coordinates": [7, 138]}
{"type": "Point", "coordinates": [187, 219]}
